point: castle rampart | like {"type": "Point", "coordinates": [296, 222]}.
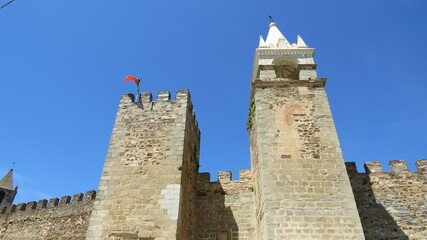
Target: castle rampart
{"type": "Point", "coordinates": [392, 205]}
{"type": "Point", "coordinates": [64, 218]}
{"type": "Point", "coordinates": [225, 208]}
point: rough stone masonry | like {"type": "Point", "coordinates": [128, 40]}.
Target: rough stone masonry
{"type": "Point", "coordinates": [297, 188]}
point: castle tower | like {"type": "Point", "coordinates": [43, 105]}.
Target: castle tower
{"type": "Point", "coordinates": [148, 184]}
{"type": "Point", "coordinates": [302, 190]}
{"type": "Point", "coordinates": [7, 192]}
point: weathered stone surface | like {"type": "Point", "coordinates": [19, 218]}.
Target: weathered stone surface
{"type": "Point", "coordinates": [150, 174]}
{"type": "Point", "coordinates": [151, 189]}
{"type": "Point", "coordinates": [67, 221]}
{"type": "Point", "coordinates": [301, 186]}
{"type": "Point", "coordinates": [392, 205]}
{"type": "Point", "coordinates": [225, 209]}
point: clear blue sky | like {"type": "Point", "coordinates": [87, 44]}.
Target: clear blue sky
{"type": "Point", "coordinates": [62, 65]}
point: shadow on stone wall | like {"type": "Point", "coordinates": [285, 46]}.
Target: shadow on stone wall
{"type": "Point", "coordinates": [215, 219]}
{"type": "Point", "coordinates": [376, 221]}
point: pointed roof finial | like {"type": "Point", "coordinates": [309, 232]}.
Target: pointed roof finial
{"type": "Point", "coordinates": [271, 18]}
{"type": "Point", "coordinates": [262, 43]}
{"type": "Point", "coordinates": [7, 180]}
{"type": "Point", "coordinates": [275, 38]}
{"type": "Point", "coordinates": [301, 43]}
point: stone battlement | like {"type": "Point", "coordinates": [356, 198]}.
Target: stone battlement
{"type": "Point", "coordinates": [78, 198]}
{"type": "Point", "coordinates": [391, 203]}
{"type": "Point", "coordinates": [65, 218]}
{"type": "Point", "coordinates": [163, 99]}
{"type": "Point", "coordinates": [396, 166]}
{"type": "Point", "coordinates": [163, 102]}
{"type": "Point", "coordinates": [224, 185]}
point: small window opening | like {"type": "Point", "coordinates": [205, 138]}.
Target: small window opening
{"type": "Point", "coordinates": [2, 193]}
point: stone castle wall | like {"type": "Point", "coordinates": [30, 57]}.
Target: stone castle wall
{"type": "Point", "coordinates": [151, 189]}
{"type": "Point", "coordinates": [392, 205]}
{"type": "Point", "coordinates": [189, 168]}
{"type": "Point", "coordinates": [66, 218]}
{"type": "Point", "coordinates": [148, 185]}
{"type": "Point", "coordinates": [225, 208]}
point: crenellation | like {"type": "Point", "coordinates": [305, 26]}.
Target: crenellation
{"type": "Point", "coordinates": [65, 200]}
{"type": "Point", "coordinates": [21, 207]}
{"type": "Point", "coordinates": [246, 175]}
{"type": "Point", "coordinates": [31, 205]}
{"type": "Point", "coordinates": [351, 167]}
{"type": "Point", "coordinates": [41, 204]}
{"type": "Point", "coordinates": [62, 219]}
{"type": "Point", "coordinates": [53, 202]}
{"type": "Point", "coordinates": [224, 176]}
{"type": "Point", "coordinates": [78, 197]}
{"type": "Point", "coordinates": [203, 177]}
{"type": "Point", "coordinates": [182, 95]}
{"type": "Point", "coordinates": [398, 166]}
{"type": "Point", "coordinates": [373, 167]}
{"type": "Point", "coordinates": [127, 98]}
{"type": "Point", "coordinates": [10, 209]}
{"type": "Point", "coordinates": [162, 102]}
{"type": "Point", "coordinates": [146, 97]}
{"type": "Point", "coordinates": [163, 96]}
{"type": "Point", "coordinates": [421, 165]}
{"type": "Point", "coordinates": [225, 185]}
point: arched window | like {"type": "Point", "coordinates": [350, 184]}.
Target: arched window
{"type": "Point", "coordinates": [286, 67]}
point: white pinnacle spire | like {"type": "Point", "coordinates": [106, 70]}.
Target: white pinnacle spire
{"type": "Point", "coordinates": [301, 43]}
{"type": "Point", "coordinates": [275, 38]}
{"type": "Point", "coordinates": [276, 50]}
{"type": "Point", "coordinates": [262, 43]}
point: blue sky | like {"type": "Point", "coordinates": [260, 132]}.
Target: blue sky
{"type": "Point", "coordinates": [62, 65]}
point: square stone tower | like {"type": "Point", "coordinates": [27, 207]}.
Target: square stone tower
{"type": "Point", "coordinates": [302, 190]}
{"type": "Point", "coordinates": [148, 184]}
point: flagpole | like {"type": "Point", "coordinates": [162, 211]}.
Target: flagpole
{"type": "Point", "coordinates": [137, 82]}
{"type": "Point", "coordinates": [137, 90]}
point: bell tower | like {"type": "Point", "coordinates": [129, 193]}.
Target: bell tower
{"type": "Point", "coordinates": [302, 190]}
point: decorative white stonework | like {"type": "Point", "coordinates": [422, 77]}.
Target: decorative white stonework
{"type": "Point", "coordinates": [301, 43]}
{"type": "Point", "coordinates": [171, 200]}
{"type": "Point", "coordinates": [278, 52]}
{"type": "Point", "coordinates": [275, 39]}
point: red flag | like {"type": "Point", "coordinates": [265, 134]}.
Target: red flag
{"type": "Point", "coordinates": [132, 78]}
